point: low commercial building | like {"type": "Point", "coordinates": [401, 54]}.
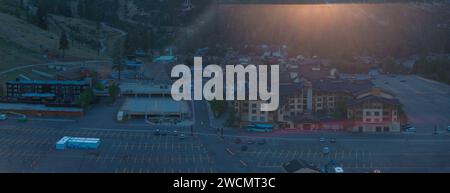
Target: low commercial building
{"type": "Point", "coordinates": [40, 110]}
{"type": "Point", "coordinates": [152, 102]}
{"type": "Point", "coordinates": [155, 109]}
{"type": "Point", "coordinates": [300, 166]}
{"type": "Point", "coordinates": [46, 91]}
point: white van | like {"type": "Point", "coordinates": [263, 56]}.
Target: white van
{"type": "Point", "coordinates": [120, 116]}
{"type": "Point", "coordinates": [3, 117]}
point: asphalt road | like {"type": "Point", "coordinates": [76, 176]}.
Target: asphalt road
{"type": "Point", "coordinates": [133, 146]}
{"type": "Point", "coordinates": [30, 147]}
{"type": "Point", "coordinates": [426, 102]}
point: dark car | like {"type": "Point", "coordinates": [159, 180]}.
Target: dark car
{"type": "Point", "coordinates": [261, 141]}
{"type": "Point", "coordinates": [244, 148]}
{"type": "Point", "coordinates": [237, 140]}
{"type": "Point", "coordinates": [157, 132]}
{"type": "Point", "coordinates": [333, 140]}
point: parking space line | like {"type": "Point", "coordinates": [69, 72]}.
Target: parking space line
{"type": "Point", "coordinates": [371, 159]}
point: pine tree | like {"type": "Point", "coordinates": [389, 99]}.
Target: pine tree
{"type": "Point", "coordinates": [41, 16]}
{"type": "Point", "coordinates": [63, 43]}
{"type": "Point", "coordinates": [117, 57]}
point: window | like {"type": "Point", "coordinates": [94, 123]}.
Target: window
{"type": "Point", "coordinates": [368, 113]}
{"type": "Point", "coordinates": [376, 120]}
{"type": "Point", "coordinates": [253, 118]}
{"type": "Point", "coordinates": [253, 105]}
{"type": "Point", "coordinates": [378, 129]}
{"type": "Point", "coordinates": [377, 113]}
{"type": "Point", "coordinates": [262, 118]}
{"type": "Point", "coordinates": [386, 129]}
{"type": "Point", "coordinates": [368, 120]}
{"type": "Point", "coordinates": [254, 111]}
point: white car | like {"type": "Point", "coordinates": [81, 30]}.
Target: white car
{"type": "Point", "coordinates": [338, 170]}
{"type": "Point", "coordinates": [411, 129]}
{"type": "Point", "coordinates": [3, 117]}
{"type": "Point", "coordinates": [326, 150]}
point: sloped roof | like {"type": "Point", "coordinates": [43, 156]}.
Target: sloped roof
{"type": "Point", "coordinates": [300, 166]}
{"type": "Point", "coordinates": [373, 98]}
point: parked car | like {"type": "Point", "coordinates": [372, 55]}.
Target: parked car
{"type": "Point", "coordinates": [175, 133]}
{"type": "Point", "coordinates": [250, 142]}
{"type": "Point", "coordinates": [410, 129]}
{"type": "Point", "coordinates": [3, 117]}
{"type": "Point", "coordinates": [181, 136]}
{"type": "Point", "coordinates": [448, 128]}
{"type": "Point", "coordinates": [157, 132]}
{"type": "Point", "coordinates": [338, 170]}
{"type": "Point", "coordinates": [322, 139]}
{"type": "Point", "coordinates": [325, 150]}
{"type": "Point", "coordinates": [261, 142]}
{"type": "Point", "coordinates": [333, 140]}
{"type": "Point", "coordinates": [244, 148]}
{"type": "Point", "coordinates": [237, 140]}
{"type": "Point", "coordinates": [22, 119]}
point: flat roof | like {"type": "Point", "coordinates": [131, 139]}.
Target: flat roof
{"type": "Point", "coordinates": [35, 107]}
{"type": "Point", "coordinates": [154, 105]}
{"type": "Point", "coordinates": [66, 82]}
{"type": "Point", "coordinates": [139, 88]}
{"type": "Point", "coordinates": [165, 59]}
{"type": "Point", "coordinates": [38, 95]}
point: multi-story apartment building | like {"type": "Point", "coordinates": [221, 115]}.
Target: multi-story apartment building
{"type": "Point", "coordinates": [374, 110]}
{"type": "Point", "coordinates": [304, 103]}
{"type": "Point", "coordinates": [45, 91]}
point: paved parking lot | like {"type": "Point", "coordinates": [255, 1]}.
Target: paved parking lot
{"type": "Point", "coordinates": [30, 147]}
{"type": "Point", "coordinates": [397, 154]}
{"type": "Point", "coordinates": [426, 102]}
{"type": "Point", "coordinates": [33, 150]}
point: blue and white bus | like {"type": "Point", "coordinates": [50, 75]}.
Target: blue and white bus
{"type": "Point", "coordinates": [260, 127]}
